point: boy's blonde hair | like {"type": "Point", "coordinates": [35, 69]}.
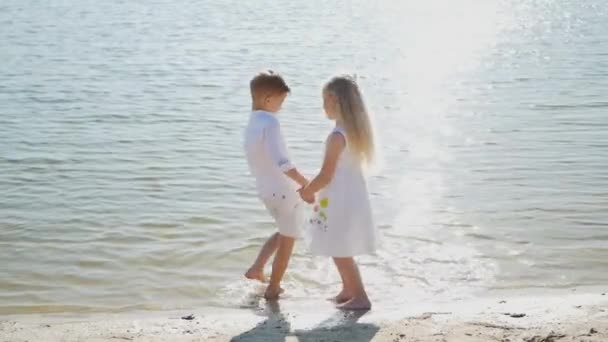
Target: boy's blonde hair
{"type": "Point", "coordinates": [354, 117]}
{"type": "Point", "coordinates": [268, 83]}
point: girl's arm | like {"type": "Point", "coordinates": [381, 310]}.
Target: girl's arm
{"type": "Point", "coordinates": [335, 145]}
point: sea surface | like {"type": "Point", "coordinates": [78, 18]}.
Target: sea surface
{"type": "Point", "coordinates": [123, 184]}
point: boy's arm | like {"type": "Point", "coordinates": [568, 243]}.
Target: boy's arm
{"type": "Point", "coordinates": [297, 177]}
{"type": "Point", "coordinates": [277, 149]}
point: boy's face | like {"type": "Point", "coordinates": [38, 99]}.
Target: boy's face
{"type": "Point", "coordinates": [274, 102]}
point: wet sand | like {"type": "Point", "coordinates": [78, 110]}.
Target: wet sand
{"type": "Point", "coordinates": [530, 318]}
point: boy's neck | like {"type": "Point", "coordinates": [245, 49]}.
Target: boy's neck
{"type": "Point", "coordinates": [261, 109]}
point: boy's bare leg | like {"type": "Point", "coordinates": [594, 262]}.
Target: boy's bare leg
{"type": "Point", "coordinates": [279, 265]}
{"type": "Point", "coordinates": [256, 271]}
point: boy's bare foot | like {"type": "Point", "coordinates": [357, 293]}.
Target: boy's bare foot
{"type": "Point", "coordinates": [356, 303]}
{"type": "Point", "coordinates": [272, 292]}
{"type": "Point", "coordinates": [341, 298]}
{"type": "Point", "coordinates": [255, 274]}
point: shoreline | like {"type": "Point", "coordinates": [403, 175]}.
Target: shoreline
{"type": "Point", "coordinates": [532, 318]}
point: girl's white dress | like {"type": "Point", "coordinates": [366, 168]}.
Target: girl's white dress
{"type": "Point", "coordinates": [342, 223]}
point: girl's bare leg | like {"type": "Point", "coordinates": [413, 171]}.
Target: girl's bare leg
{"type": "Point", "coordinates": [344, 295]}
{"type": "Point", "coordinates": [256, 271]}
{"type": "Point", "coordinates": [359, 299]}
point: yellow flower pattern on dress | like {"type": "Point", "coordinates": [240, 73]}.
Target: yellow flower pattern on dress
{"type": "Point", "coordinates": [323, 216]}
{"type": "Point", "coordinates": [320, 219]}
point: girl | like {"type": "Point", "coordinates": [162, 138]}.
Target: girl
{"type": "Point", "coordinates": [342, 223]}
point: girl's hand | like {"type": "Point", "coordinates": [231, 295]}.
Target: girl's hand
{"type": "Point", "coordinates": [306, 195]}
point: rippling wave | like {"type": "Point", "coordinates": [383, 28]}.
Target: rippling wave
{"type": "Point", "coordinates": [124, 186]}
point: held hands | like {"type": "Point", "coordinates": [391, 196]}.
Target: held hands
{"type": "Point", "coordinates": [307, 195]}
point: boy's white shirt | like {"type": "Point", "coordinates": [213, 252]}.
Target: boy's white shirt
{"type": "Point", "coordinates": [267, 154]}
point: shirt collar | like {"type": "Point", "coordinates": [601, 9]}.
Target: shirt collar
{"type": "Point", "coordinates": [263, 112]}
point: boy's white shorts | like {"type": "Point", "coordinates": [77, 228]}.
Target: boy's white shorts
{"type": "Point", "coordinates": [287, 209]}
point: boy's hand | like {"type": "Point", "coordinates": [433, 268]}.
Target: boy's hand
{"type": "Point", "coordinates": [306, 195]}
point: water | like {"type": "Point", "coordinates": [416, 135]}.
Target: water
{"type": "Point", "coordinates": [124, 185]}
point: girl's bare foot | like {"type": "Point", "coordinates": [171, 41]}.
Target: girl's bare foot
{"type": "Point", "coordinates": [356, 303]}
{"type": "Point", "coordinates": [272, 292]}
{"type": "Point", "coordinates": [255, 274]}
{"type": "Point", "coordinates": [341, 298]}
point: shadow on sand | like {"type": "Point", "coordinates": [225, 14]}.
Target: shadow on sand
{"type": "Point", "coordinates": [341, 326]}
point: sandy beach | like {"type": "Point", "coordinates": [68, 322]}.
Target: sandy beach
{"type": "Point", "coordinates": [531, 318]}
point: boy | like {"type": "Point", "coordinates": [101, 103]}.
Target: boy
{"type": "Point", "coordinates": [277, 179]}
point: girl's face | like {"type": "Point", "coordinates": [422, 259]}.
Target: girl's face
{"type": "Point", "coordinates": [330, 105]}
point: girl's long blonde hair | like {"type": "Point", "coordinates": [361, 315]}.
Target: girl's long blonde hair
{"type": "Point", "coordinates": [353, 117]}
